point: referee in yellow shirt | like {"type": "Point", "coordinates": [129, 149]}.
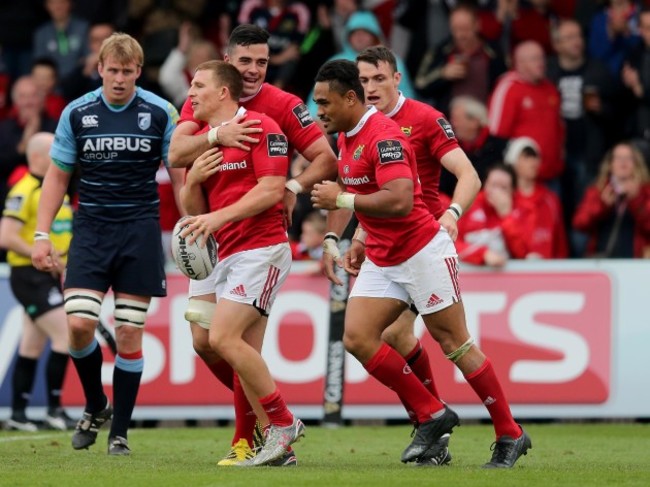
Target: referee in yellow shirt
{"type": "Point", "coordinates": [38, 292]}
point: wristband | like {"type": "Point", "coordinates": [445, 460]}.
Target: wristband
{"type": "Point", "coordinates": [456, 210]}
{"type": "Point", "coordinates": [294, 186]}
{"type": "Point", "coordinates": [331, 247]}
{"type": "Point", "coordinates": [332, 235]}
{"type": "Point", "coordinates": [360, 235]}
{"type": "Point", "coordinates": [41, 236]}
{"type": "Point", "coordinates": [345, 200]}
{"type": "Point", "coordinates": [213, 135]}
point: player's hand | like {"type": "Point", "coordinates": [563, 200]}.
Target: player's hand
{"type": "Point", "coordinates": [328, 263]}
{"type": "Point", "coordinates": [205, 166]}
{"type": "Point", "coordinates": [323, 196]}
{"type": "Point", "coordinates": [449, 223]}
{"type": "Point", "coordinates": [202, 225]}
{"type": "Point", "coordinates": [238, 131]}
{"type": "Point", "coordinates": [288, 204]}
{"type": "Point", "coordinates": [44, 257]}
{"type": "Point", "coordinates": [354, 257]}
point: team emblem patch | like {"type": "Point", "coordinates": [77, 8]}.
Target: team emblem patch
{"type": "Point", "coordinates": [357, 152]}
{"type": "Point", "coordinates": [390, 151]}
{"type": "Point", "coordinates": [446, 127]}
{"type": "Point", "coordinates": [14, 203]}
{"type": "Point", "coordinates": [301, 112]}
{"type": "Point", "coordinates": [407, 130]}
{"type": "Point", "coordinates": [277, 145]}
{"type": "Point", "coordinates": [144, 120]}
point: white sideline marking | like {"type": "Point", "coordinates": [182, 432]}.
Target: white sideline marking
{"type": "Point", "coordinates": [27, 437]}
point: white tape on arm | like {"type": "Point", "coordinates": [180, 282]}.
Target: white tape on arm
{"type": "Point", "coordinates": [345, 200]}
{"type": "Point", "coordinates": [294, 186]}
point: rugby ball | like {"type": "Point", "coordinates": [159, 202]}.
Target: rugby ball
{"type": "Point", "coordinates": [194, 261]}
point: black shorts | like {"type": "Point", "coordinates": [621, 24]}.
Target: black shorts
{"type": "Point", "coordinates": [37, 291]}
{"type": "Point", "coordinates": [125, 256]}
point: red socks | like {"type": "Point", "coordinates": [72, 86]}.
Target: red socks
{"type": "Point", "coordinates": [486, 385]}
{"type": "Point", "coordinates": [418, 360]}
{"type": "Point", "coordinates": [390, 368]}
{"type": "Point", "coordinates": [276, 409]}
{"type": "Point", "coordinates": [244, 415]}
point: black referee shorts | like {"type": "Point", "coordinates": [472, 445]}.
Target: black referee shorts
{"type": "Point", "coordinates": [37, 291]}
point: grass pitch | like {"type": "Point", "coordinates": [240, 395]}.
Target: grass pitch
{"type": "Point", "coordinates": [563, 454]}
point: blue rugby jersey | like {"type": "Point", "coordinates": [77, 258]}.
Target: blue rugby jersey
{"type": "Point", "coordinates": [118, 151]}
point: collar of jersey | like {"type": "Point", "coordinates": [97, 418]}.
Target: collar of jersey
{"type": "Point", "coordinates": [117, 108]}
{"type": "Point", "coordinates": [240, 111]}
{"type": "Point", "coordinates": [400, 102]}
{"type": "Point", "coordinates": [371, 111]}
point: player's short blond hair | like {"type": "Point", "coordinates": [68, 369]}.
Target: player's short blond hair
{"type": "Point", "coordinates": [122, 48]}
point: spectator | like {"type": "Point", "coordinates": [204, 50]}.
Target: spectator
{"type": "Point", "coordinates": [470, 122]}
{"type": "Point", "coordinates": [335, 18]}
{"type": "Point", "coordinates": [310, 246]}
{"type": "Point", "coordinates": [463, 65]}
{"type": "Point", "coordinates": [544, 225]}
{"type": "Point", "coordinates": [613, 32]}
{"type": "Point", "coordinates": [287, 22]}
{"type": "Point", "coordinates": [46, 78]}
{"type": "Point", "coordinates": [636, 78]}
{"type": "Point", "coordinates": [26, 119]}
{"type": "Point", "coordinates": [63, 38]}
{"type": "Point", "coordinates": [85, 77]}
{"type": "Point", "coordinates": [38, 292]}
{"type": "Point", "coordinates": [363, 31]}
{"type": "Point", "coordinates": [588, 96]}
{"type": "Point", "coordinates": [615, 210]}
{"type": "Point", "coordinates": [526, 103]}
{"type": "Point", "coordinates": [18, 21]}
{"type": "Point", "coordinates": [177, 70]}
{"type": "Point", "coordinates": [490, 233]}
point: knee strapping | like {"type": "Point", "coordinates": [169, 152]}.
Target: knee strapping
{"type": "Point", "coordinates": [130, 312]}
{"type": "Point", "coordinates": [200, 312]}
{"type": "Point", "coordinates": [83, 304]}
{"type": "Point", "coordinates": [456, 355]}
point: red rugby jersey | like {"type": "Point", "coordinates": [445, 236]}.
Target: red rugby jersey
{"type": "Point", "coordinates": [239, 173]}
{"type": "Point", "coordinates": [431, 136]}
{"type": "Point", "coordinates": [370, 155]}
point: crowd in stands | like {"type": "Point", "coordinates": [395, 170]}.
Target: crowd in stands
{"type": "Point", "coordinates": [550, 99]}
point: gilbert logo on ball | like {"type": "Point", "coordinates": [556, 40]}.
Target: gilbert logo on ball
{"type": "Point", "coordinates": [193, 260]}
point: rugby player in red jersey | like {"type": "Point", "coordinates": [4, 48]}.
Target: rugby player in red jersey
{"type": "Point", "coordinates": [244, 191]}
{"type": "Point", "coordinates": [248, 51]}
{"type": "Point", "coordinates": [408, 258]}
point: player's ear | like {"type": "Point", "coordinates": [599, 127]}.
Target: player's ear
{"type": "Point", "coordinates": [350, 97]}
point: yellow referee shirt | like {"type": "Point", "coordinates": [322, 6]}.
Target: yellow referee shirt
{"type": "Point", "coordinates": [22, 205]}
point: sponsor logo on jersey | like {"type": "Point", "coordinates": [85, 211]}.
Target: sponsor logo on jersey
{"type": "Point", "coordinates": [233, 166]}
{"type": "Point", "coordinates": [302, 114]}
{"type": "Point", "coordinates": [277, 145]}
{"type": "Point", "coordinates": [102, 144]}
{"type": "Point", "coordinates": [390, 151]}
{"type": "Point", "coordinates": [88, 121]}
{"type": "Point", "coordinates": [446, 127]}
{"type": "Point", "coordinates": [14, 203]}
{"type": "Point", "coordinates": [346, 169]}
{"type": "Point", "coordinates": [357, 152]}
{"type": "Point", "coordinates": [144, 120]}
{"type": "Point", "coordinates": [356, 181]}
{"type": "Point", "coordinates": [407, 130]}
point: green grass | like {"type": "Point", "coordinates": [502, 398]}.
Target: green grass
{"type": "Point", "coordinates": [563, 454]}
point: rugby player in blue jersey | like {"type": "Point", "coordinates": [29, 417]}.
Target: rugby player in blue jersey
{"type": "Point", "coordinates": [116, 135]}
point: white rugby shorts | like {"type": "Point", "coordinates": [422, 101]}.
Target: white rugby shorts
{"type": "Point", "coordinates": [429, 279]}
{"type": "Point", "coordinates": [250, 277]}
